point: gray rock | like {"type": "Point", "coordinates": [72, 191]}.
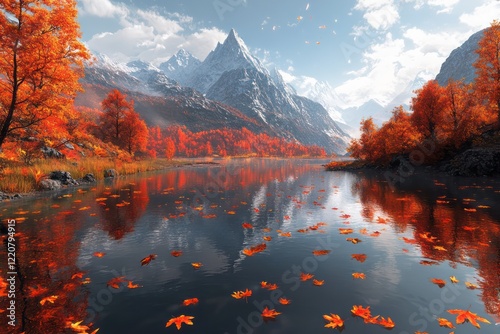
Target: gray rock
{"type": "Point", "coordinates": [89, 178]}
{"type": "Point", "coordinates": [69, 146]}
{"type": "Point", "coordinates": [63, 177]}
{"type": "Point", "coordinates": [49, 184]}
{"type": "Point", "coordinates": [475, 162]}
{"type": "Point", "coordinates": [50, 152]}
{"type": "Point", "coordinates": [110, 173]}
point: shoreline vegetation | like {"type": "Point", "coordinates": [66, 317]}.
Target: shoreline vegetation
{"type": "Point", "coordinates": [19, 180]}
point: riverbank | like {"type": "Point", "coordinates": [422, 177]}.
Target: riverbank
{"type": "Point", "coordinates": [18, 180]}
{"type": "Point", "coordinates": [475, 161]}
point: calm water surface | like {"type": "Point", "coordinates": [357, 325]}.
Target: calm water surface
{"type": "Point", "coordinates": [428, 227]}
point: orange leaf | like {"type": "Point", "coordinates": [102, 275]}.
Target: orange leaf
{"type": "Point", "coordinates": [115, 282]}
{"type": "Point", "coordinates": [99, 254]}
{"type": "Point", "coordinates": [318, 282]}
{"type": "Point", "coordinates": [247, 225]}
{"type": "Point", "coordinates": [306, 276]}
{"type": "Point", "coordinates": [196, 265]}
{"type": "Point", "coordinates": [321, 252]}
{"type": "Point", "coordinates": [284, 301]}
{"type": "Point", "coordinates": [190, 301]}
{"type": "Point", "coordinates": [387, 323]}
{"type": "Point", "coordinates": [359, 257]}
{"type": "Point", "coordinates": [359, 275]}
{"type": "Point", "coordinates": [466, 315]}
{"type": "Point", "coordinates": [268, 286]}
{"type": "Point", "coordinates": [176, 253]}
{"type": "Point", "coordinates": [471, 286]}
{"type": "Point", "coordinates": [439, 282]}
{"type": "Point", "coordinates": [267, 238]}
{"type": "Point", "coordinates": [445, 323]}
{"type": "Point", "coordinates": [334, 321]}
{"type": "Point", "coordinates": [255, 249]}
{"type": "Point", "coordinates": [178, 321]}
{"type": "Point", "coordinates": [346, 230]}
{"type": "Point", "coordinates": [453, 279]}
{"type": "Point", "coordinates": [269, 313]}
{"type": "Point", "coordinates": [353, 240]}
{"type": "Point", "coordinates": [286, 234]}
{"type": "Point", "coordinates": [361, 311]}
{"type": "Point", "coordinates": [242, 294]}
{"type": "Point", "coordinates": [148, 259]}
{"type": "Point", "coordinates": [131, 285]}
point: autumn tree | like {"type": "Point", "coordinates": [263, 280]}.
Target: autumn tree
{"type": "Point", "coordinates": [134, 135]}
{"type": "Point", "coordinates": [169, 148]}
{"type": "Point", "coordinates": [365, 147]}
{"type": "Point", "coordinates": [487, 83]}
{"type": "Point", "coordinates": [115, 108]}
{"type": "Point", "coordinates": [428, 109]}
{"type": "Point", "coordinates": [41, 59]}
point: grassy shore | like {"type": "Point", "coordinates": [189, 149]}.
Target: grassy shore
{"type": "Point", "coordinates": [19, 178]}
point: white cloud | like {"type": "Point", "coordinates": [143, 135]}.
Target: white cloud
{"type": "Point", "coordinates": [389, 66]}
{"type": "Point", "coordinates": [444, 6]}
{"type": "Point", "coordinates": [103, 8]}
{"type": "Point", "coordinates": [150, 36]}
{"type": "Point", "coordinates": [380, 14]}
{"type": "Point", "coordinates": [482, 16]}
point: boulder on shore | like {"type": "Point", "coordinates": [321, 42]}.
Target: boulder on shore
{"type": "Point", "coordinates": [64, 177]}
{"type": "Point", "coordinates": [475, 162]}
{"type": "Point", "coordinates": [89, 178]}
{"type": "Point", "coordinates": [110, 173]}
{"type": "Point", "coordinates": [49, 184]}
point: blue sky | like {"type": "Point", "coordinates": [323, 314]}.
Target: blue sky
{"type": "Point", "coordinates": [365, 49]}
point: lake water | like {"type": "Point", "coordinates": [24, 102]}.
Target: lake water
{"type": "Point", "coordinates": [73, 245]}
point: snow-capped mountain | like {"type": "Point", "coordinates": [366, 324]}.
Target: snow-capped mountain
{"type": "Point", "coordinates": [231, 84]}
{"type": "Point", "coordinates": [180, 66]}
{"type": "Point", "coordinates": [232, 75]}
{"type": "Point", "coordinates": [460, 62]}
{"type": "Point", "coordinates": [232, 54]}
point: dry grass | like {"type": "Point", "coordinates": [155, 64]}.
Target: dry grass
{"type": "Point", "coordinates": [17, 178]}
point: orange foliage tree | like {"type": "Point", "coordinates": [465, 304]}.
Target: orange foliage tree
{"type": "Point", "coordinates": [428, 109]}
{"type": "Point", "coordinates": [365, 147]}
{"type": "Point", "coordinates": [121, 125]}
{"type": "Point", "coordinates": [487, 83]}
{"type": "Point", "coordinates": [169, 148]}
{"type": "Point", "coordinates": [41, 59]}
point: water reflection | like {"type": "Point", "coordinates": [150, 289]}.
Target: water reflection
{"type": "Point", "coordinates": [451, 223]}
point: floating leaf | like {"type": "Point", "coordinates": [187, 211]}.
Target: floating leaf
{"type": "Point", "coordinates": [359, 257]}
{"type": "Point", "coordinates": [115, 282]}
{"type": "Point", "coordinates": [255, 249]}
{"type": "Point", "coordinates": [345, 230]}
{"type": "Point", "coordinates": [196, 265]}
{"type": "Point", "coordinates": [268, 286]}
{"type": "Point", "coordinates": [306, 276]}
{"type": "Point", "coordinates": [131, 285]}
{"type": "Point", "coordinates": [99, 254]}
{"type": "Point", "coordinates": [334, 321]}
{"type": "Point", "coordinates": [466, 315]}
{"type": "Point", "coordinates": [453, 279]}
{"type": "Point", "coordinates": [353, 240]}
{"type": "Point", "coordinates": [321, 252]}
{"type": "Point", "coordinates": [176, 253]}
{"type": "Point", "coordinates": [190, 301]}
{"type": "Point", "coordinates": [247, 225]}
{"type": "Point", "coordinates": [148, 259]}
{"type": "Point", "coordinates": [445, 323]}
{"type": "Point", "coordinates": [471, 286]}
{"type": "Point", "coordinates": [318, 282]}
{"type": "Point", "coordinates": [439, 282]}
{"type": "Point", "coordinates": [387, 323]}
{"type": "Point", "coordinates": [285, 301]}
{"type": "Point", "coordinates": [178, 321]}
{"type": "Point", "coordinates": [359, 275]}
{"type": "Point", "coordinates": [269, 313]}
{"type": "Point", "coordinates": [267, 238]}
{"type": "Point", "coordinates": [242, 294]}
